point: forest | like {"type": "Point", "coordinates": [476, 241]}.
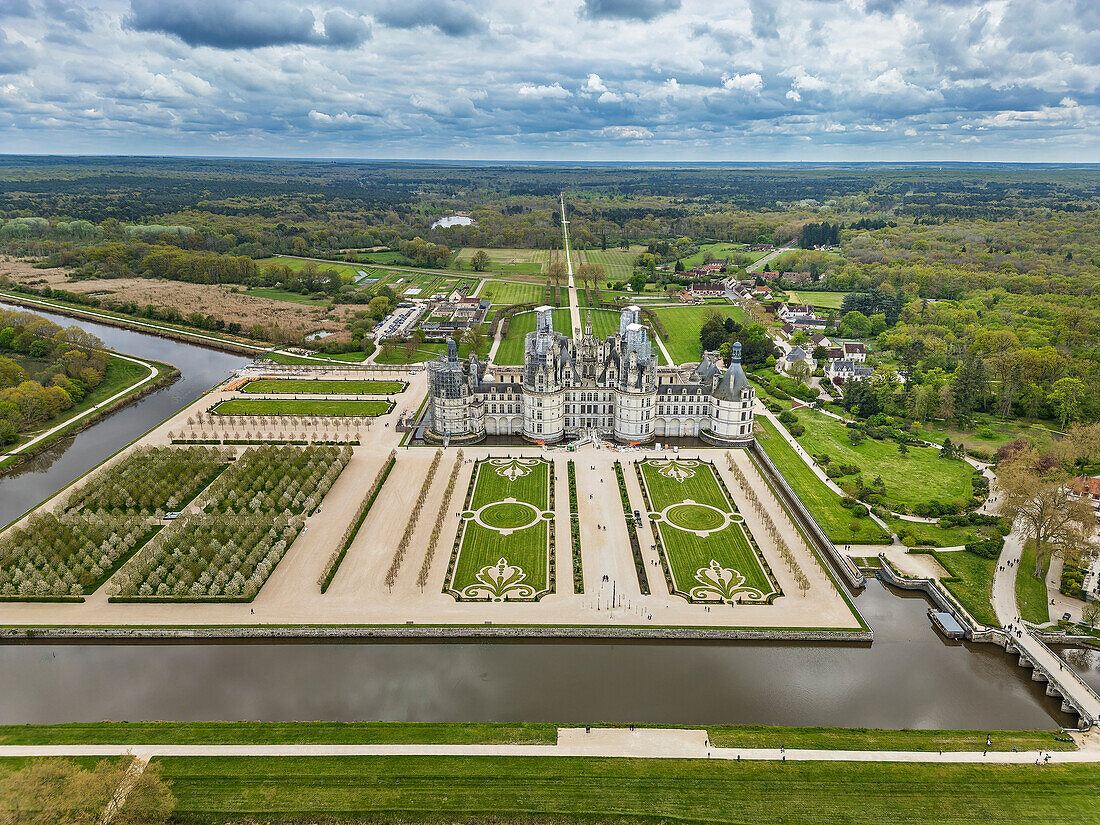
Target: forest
{"type": "Point", "coordinates": [975, 284]}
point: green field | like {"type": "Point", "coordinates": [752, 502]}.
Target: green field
{"type": "Point", "coordinates": [323, 387]}
{"type": "Point", "coordinates": [584, 789]}
{"type": "Point", "coordinates": [348, 272]}
{"type": "Point", "coordinates": [835, 519]}
{"type": "Point", "coordinates": [301, 406]}
{"type": "Point", "coordinates": [516, 531]}
{"type": "Point", "coordinates": [510, 351]}
{"type": "Point", "coordinates": [694, 560]}
{"type": "Point", "coordinates": [921, 534]}
{"type": "Point", "coordinates": [515, 261]}
{"type": "Point", "coordinates": [617, 263]}
{"type": "Point", "coordinates": [506, 293]}
{"type": "Point", "coordinates": [287, 296]}
{"type": "Point", "coordinates": [720, 251]}
{"type": "Point", "coordinates": [825, 300]}
{"type": "Point", "coordinates": [970, 580]}
{"type": "Point", "coordinates": [684, 323]}
{"type": "Point", "coordinates": [916, 477]}
{"type": "Point", "coordinates": [1032, 601]}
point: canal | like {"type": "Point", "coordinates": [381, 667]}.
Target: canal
{"type": "Point", "coordinates": [909, 676]}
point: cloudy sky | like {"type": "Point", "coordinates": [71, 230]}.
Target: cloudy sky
{"type": "Point", "coordinates": [554, 79]}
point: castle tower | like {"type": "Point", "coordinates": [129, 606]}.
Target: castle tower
{"type": "Point", "coordinates": [545, 356]}
{"type": "Point", "coordinates": [636, 390]}
{"type": "Point", "coordinates": [732, 400]}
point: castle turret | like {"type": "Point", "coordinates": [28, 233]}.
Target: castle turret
{"type": "Point", "coordinates": [732, 402]}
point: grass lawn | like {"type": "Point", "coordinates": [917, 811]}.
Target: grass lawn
{"type": "Point", "coordinates": [348, 272]}
{"type": "Point", "coordinates": [617, 263]}
{"type": "Point", "coordinates": [584, 789]}
{"type": "Point", "coordinates": [278, 733]}
{"type": "Point", "coordinates": [503, 293]}
{"type": "Point", "coordinates": [302, 406]}
{"type": "Point", "coordinates": [287, 358]}
{"type": "Point", "coordinates": [516, 261]}
{"type": "Point", "coordinates": [687, 553]}
{"type": "Point", "coordinates": [919, 476]}
{"type": "Point", "coordinates": [426, 352]}
{"type": "Point", "coordinates": [1031, 593]}
{"type": "Point", "coordinates": [932, 535]}
{"type": "Point", "coordinates": [305, 385]}
{"type": "Point", "coordinates": [684, 323]}
{"type": "Point", "coordinates": [825, 300]}
{"type": "Point", "coordinates": [287, 295]}
{"type": "Point", "coordinates": [720, 251]}
{"type": "Point", "coordinates": [511, 348]}
{"type": "Point", "coordinates": [526, 543]}
{"type": "Point", "coordinates": [767, 736]}
{"type": "Point", "coordinates": [825, 505]}
{"type": "Point", "coordinates": [970, 582]}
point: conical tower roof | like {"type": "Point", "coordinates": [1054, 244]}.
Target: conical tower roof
{"type": "Point", "coordinates": [733, 381]}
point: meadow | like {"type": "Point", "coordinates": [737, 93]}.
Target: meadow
{"type": "Point", "coordinates": [505, 293]}
{"type": "Point", "coordinates": [507, 261]}
{"type": "Point", "coordinates": [684, 324]}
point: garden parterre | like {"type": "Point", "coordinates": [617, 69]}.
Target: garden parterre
{"type": "Point", "coordinates": [707, 552]}
{"type": "Point", "coordinates": [503, 550]}
{"type": "Point", "coordinates": [318, 386]}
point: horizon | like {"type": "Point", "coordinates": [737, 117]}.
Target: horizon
{"type": "Point", "coordinates": [587, 81]}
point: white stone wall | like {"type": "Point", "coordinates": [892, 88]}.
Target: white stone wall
{"type": "Point", "coordinates": [634, 416]}
{"type": "Point", "coordinates": [543, 416]}
{"type": "Point", "coordinates": [732, 420]}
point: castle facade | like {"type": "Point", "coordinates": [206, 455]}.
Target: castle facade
{"type": "Point", "coordinates": [571, 387]}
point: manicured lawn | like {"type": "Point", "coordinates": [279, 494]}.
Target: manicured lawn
{"type": "Point", "coordinates": [971, 582]}
{"type": "Point", "coordinates": [684, 323]}
{"type": "Point", "coordinates": [287, 358]}
{"type": "Point", "coordinates": [323, 387]}
{"type": "Point", "coordinates": [919, 476]}
{"type": "Point", "coordinates": [687, 553]}
{"type": "Point", "coordinates": [766, 736]}
{"type": "Point", "coordinates": [426, 352]}
{"type": "Point", "coordinates": [301, 406]}
{"type": "Point", "coordinates": [825, 505]}
{"type": "Point", "coordinates": [825, 300]}
{"type": "Point", "coordinates": [511, 348]}
{"type": "Point", "coordinates": [278, 733]}
{"type": "Point", "coordinates": [932, 535]}
{"type": "Point", "coordinates": [526, 545]}
{"type": "Point", "coordinates": [580, 789]}
{"type": "Point", "coordinates": [503, 293]}
{"type": "Point", "coordinates": [1031, 593]}
{"type": "Point", "coordinates": [720, 251]}
{"type": "Point", "coordinates": [348, 272]}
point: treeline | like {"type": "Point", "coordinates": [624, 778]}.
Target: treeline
{"type": "Point", "coordinates": [819, 234]}
{"type": "Point", "coordinates": [44, 370]}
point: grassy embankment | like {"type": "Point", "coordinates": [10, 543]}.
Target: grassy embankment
{"type": "Point", "coordinates": [970, 582]}
{"type": "Point", "coordinates": [575, 789]}
{"type": "Point", "coordinates": [1031, 592]}
{"type": "Point", "coordinates": [826, 506]}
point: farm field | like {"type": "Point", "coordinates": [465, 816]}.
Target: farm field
{"type": "Point", "coordinates": [586, 789]}
{"type": "Point", "coordinates": [684, 324]}
{"type": "Point", "coordinates": [510, 351]}
{"type": "Point", "coordinates": [835, 519]}
{"type": "Point", "coordinates": [917, 477]}
{"type": "Point", "coordinates": [824, 300]}
{"type": "Point", "coordinates": [705, 546]}
{"type": "Point", "coordinates": [720, 251]}
{"type": "Point", "coordinates": [505, 261]}
{"type": "Point", "coordinates": [502, 551]}
{"type": "Point", "coordinates": [301, 406]}
{"type": "Point", "coordinates": [323, 387]}
{"type": "Point", "coordinates": [505, 293]}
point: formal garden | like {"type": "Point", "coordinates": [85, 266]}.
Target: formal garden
{"type": "Point", "coordinates": [504, 550]}
{"type": "Point", "coordinates": [251, 516]}
{"type": "Point", "coordinates": [302, 407]}
{"type": "Point", "coordinates": [707, 552]}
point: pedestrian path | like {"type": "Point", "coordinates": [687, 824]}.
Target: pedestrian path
{"type": "Point", "coordinates": [640, 743]}
{"type": "Point", "coordinates": [574, 303]}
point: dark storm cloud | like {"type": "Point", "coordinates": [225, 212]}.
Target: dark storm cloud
{"type": "Point", "coordinates": [644, 10]}
{"type": "Point", "coordinates": [246, 24]}
{"type": "Point", "coordinates": [452, 18]}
